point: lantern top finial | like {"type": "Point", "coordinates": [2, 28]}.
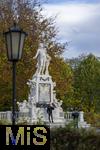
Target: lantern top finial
{"type": "Point", "coordinates": [15, 28]}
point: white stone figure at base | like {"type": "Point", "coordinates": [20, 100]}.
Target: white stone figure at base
{"type": "Point", "coordinates": [58, 104]}
{"type": "Point", "coordinates": [23, 106]}
{"type": "Point", "coordinates": [58, 111]}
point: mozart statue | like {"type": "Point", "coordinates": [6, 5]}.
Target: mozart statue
{"type": "Point", "coordinates": [43, 60]}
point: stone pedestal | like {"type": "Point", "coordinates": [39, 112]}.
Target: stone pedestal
{"type": "Point", "coordinates": [58, 115]}
{"type": "Point", "coordinates": [41, 89]}
{"type": "Point", "coordinates": [42, 93]}
{"type": "Point", "coordinates": [81, 116]}
{"type": "Point", "coordinates": [82, 123]}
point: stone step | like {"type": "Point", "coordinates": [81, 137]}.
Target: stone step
{"type": "Point", "coordinates": [84, 124]}
{"type": "Point", "coordinates": [52, 125]}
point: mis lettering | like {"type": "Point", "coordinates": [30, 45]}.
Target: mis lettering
{"type": "Point", "coordinates": [26, 135]}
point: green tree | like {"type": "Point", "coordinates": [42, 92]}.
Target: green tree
{"type": "Point", "coordinates": [87, 82]}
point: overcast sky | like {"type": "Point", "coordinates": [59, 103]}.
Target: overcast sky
{"type": "Point", "coordinates": [79, 24]}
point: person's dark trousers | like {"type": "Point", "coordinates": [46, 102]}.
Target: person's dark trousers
{"type": "Point", "coordinates": [50, 116]}
{"type": "Point", "coordinates": [76, 123]}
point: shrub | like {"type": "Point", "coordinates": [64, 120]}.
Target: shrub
{"type": "Point", "coordinates": [74, 139]}
{"type": "Point", "coordinates": [4, 122]}
{"type": "Point", "coordinates": [93, 119]}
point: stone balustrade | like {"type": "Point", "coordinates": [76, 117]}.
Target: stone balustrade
{"type": "Point", "coordinates": [68, 115]}
{"type": "Point", "coordinates": [7, 115]}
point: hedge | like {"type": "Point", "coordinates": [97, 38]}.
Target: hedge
{"type": "Point", "coordinates": [74, 139]}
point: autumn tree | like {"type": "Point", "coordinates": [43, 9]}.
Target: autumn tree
{"type": "Point", "coordinates": [62, 75]}
{"type": "Point", "coordinates": [28, 15]}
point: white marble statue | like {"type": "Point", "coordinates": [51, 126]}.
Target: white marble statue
{"type": "Point", "coordinates": [43, 60]}
{"type": "Point", "coordinates": [41, 91]}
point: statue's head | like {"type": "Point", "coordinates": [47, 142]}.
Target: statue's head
{"type": "Point", "coordinates": [41, 46]}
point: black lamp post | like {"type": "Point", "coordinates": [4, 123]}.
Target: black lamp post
{"type": "Point", "coordinates": [14, 42]}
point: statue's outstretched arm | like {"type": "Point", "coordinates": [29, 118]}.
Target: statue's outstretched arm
{"type": "Point", "coordinates": [36, 55]}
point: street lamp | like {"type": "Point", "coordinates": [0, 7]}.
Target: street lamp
{"type": "Point", "coordinates": [14, 38]}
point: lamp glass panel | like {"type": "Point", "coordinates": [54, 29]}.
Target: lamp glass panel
{"type": "Point", "coordinates": [8, 40]}
{"type": "Point", "coordinates": [21, 44]}
{"type": "Point", "coordinates": [15, 44]}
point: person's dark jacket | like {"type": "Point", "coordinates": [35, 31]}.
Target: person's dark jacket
{"type": "Point", "coordinates": [49, 109]}
{"type": "Point", "coordinates": [75, 114]}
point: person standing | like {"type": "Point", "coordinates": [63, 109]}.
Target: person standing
{"type": "Point", "coordinates": [49, 111]}
{"type": "Point", "coordinates": [75, 116]}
